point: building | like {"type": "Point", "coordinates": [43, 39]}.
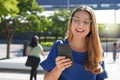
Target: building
{"type": "Point", "coordinates": [70, 4]}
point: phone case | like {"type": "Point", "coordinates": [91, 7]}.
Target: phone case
{"type": "Point", "coordinates": [65, 50]}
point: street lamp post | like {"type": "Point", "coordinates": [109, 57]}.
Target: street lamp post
{"type": "Point", "coordinates": [68, 4]}
{"type": "Point", "coordinates": [107, 41]}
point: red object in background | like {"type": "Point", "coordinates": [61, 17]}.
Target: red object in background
{"type": "Point", "coordinates": [3, 30]}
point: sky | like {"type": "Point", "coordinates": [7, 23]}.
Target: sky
{"type": "Point", "coordinates": [107, 16]}
{"type": "Point", "coordinates": [102, 16]}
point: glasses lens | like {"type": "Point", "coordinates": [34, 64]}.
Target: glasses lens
{"type": "Point", "coordinates": [76, 21]}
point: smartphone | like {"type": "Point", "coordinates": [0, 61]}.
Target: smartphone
{"type": "Point", "coordinates": [65, 50]}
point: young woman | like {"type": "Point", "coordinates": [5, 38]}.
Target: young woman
{"type": "Point", "coordinates": [33, 52]}
{"type": "Point", "coordinates": [83, 39]}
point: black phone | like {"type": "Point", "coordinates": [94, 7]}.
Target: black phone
{"type": "Point", "coordinates": [65, 50]}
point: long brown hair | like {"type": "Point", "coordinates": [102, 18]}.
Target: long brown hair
{"type": "Point", "coordinates": [92, 62]}
{"type": "Point", "coordinates": [35, 41]}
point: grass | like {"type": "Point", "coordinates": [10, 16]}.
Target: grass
{"type": "Point", "coordinates": [3, 58]}
{"type": "Point", "coordinates": [49, 44]}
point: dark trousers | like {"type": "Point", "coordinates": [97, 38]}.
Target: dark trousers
{"type": "Point", "coordinates": [114, 56]}
{"type": "Point", "coordinates": [34, 65]}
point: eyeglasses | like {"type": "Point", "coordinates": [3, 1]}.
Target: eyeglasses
{"type": "Point", "coordinates": [76, 21]}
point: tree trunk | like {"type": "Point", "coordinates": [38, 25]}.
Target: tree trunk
{"type": "Point", "coordinates": [9, 32]}
{"type": "Point", "coordinates": [9, 39]}
{"type": "Point", "coordinates": [8, 48]}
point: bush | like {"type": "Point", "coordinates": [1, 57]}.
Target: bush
{"type": "Point", "coordinates": [49, 44]}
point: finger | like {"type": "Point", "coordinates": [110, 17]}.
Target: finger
{"type": "Point", "coordinates": [61, 61]}
{"type": "Point", "coordinates": [60, 57]}
{"type": "Point", "coordinates": [67, 64]}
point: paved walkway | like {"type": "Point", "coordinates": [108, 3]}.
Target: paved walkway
{"type": "Point", "coordinates": [14, 68]}
{"type": "Point", "coordinates": [113, 69]}
{"type": "Point", "coordinates": [10, 75]}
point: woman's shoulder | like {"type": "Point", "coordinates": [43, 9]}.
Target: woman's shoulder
{"type": "Point", "coordinates": [57, 42]}
{"type": "Point", "coordinates": [61, 41]}
{"type": "Point", "coordinates": [39, 46]}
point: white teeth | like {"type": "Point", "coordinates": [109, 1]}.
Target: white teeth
{"type": "Point", "coordinates": [79, 30]}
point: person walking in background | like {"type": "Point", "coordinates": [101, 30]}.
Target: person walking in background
{"type": "Point", "coordinates": [25, 44]}
{"type": "Point", "coordinates": [33, 52]}
{"type": "Point", "coordinates": [83, 39]}
{"type": "Point", "coordinates": [118, 54]}
{"type": "Point", "coordinates": [114, 50]}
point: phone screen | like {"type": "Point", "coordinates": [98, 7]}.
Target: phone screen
{"type": "Point", "coordinates": [65, 50]}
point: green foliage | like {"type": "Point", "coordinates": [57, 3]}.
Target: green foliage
{"type": "Point", "coordinates": [16, 12]}
{"type": "Point", "coordinates": [109, 30]}
{"type": "Point", "coordinates": [108, 39]}
{"type": "Point", "coordinates": [45, 24]}
{"type": "Point", "coordinates": [3, 58]}
{"type": "Point", "coordinates": [59, 22]}
{"type": "Point", "coordinates": [28, 16]}
{"type": "Point", "coordinates": [101, 29]}
{"type": "Point", "coordinates": [28, 5]}
{"type": "Point", "coordinates": [49, 44]}
{"type": "Point", "coordinates": [8, 7]}
{"type": "Point", "coordinates": [34, 22]}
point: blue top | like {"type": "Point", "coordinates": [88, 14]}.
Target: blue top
{"type": "Point", "coordinates": [77, 72]}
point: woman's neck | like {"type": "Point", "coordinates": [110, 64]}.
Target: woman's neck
{"type": "Point", "coordinates": [78, 45]}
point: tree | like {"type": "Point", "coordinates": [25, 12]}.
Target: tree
{"type": "Point", "coordinates": [44, 26]}
{"type": "Point", "coordinates": [59, 22]}
{"type": "Point", "coordinates": [13, 16]}
{"type": "Point", "coordinates": [8, 11]}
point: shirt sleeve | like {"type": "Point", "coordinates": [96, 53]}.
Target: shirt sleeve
{"type": "Point", "coordinates": [41, 48]}
{"type": "Point", "coordinates": [49, 63]}
{"type": "Point", "coordinates": [104, 74]}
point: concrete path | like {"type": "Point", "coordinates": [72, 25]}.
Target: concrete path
{"type": "Point", "coordinates": [10, 75]}
{"type": "Point", "coordinates": [15, 63]}
{"type": "Point", "coordinates": [10, 69]}
{"type": "Point", "coordinates": [113, 69]}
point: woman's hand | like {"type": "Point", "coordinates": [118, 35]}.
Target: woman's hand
{"type": "Point", "coordinates": [62, 63]}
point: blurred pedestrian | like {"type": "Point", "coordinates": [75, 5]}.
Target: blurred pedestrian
{"type": "Point", "coordinates": [114, 50]}
{"type": "Point", "coordinates": [25, 44]}
{"type": "Point", "coordinates": [118, 54]}
{"type": "Point", "coordinates": [33, 52]}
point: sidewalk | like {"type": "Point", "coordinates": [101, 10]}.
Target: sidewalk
{"type": "Point", "coordinates": [14, 69]}
{"type": "Point", "coordinates": [113, 69]}
{"type": "Point", "coordinates": [12, 75]}
{"type": "Point", "coordinates": [16, 64]}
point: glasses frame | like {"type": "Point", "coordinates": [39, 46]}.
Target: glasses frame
{"type": "Point", "coordinates": [84, 23]}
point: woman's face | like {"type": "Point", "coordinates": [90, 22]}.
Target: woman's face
{"type": "Point", "coordinates": [80, 24]}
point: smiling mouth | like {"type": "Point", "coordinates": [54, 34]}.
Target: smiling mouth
{"type": "Point", "coordinates": [79, 30]}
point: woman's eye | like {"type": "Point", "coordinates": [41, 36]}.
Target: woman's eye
{"type": "Point", "coordinates": [86, 22]}
{"type": "Point", "coordinates": [76, 21]}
